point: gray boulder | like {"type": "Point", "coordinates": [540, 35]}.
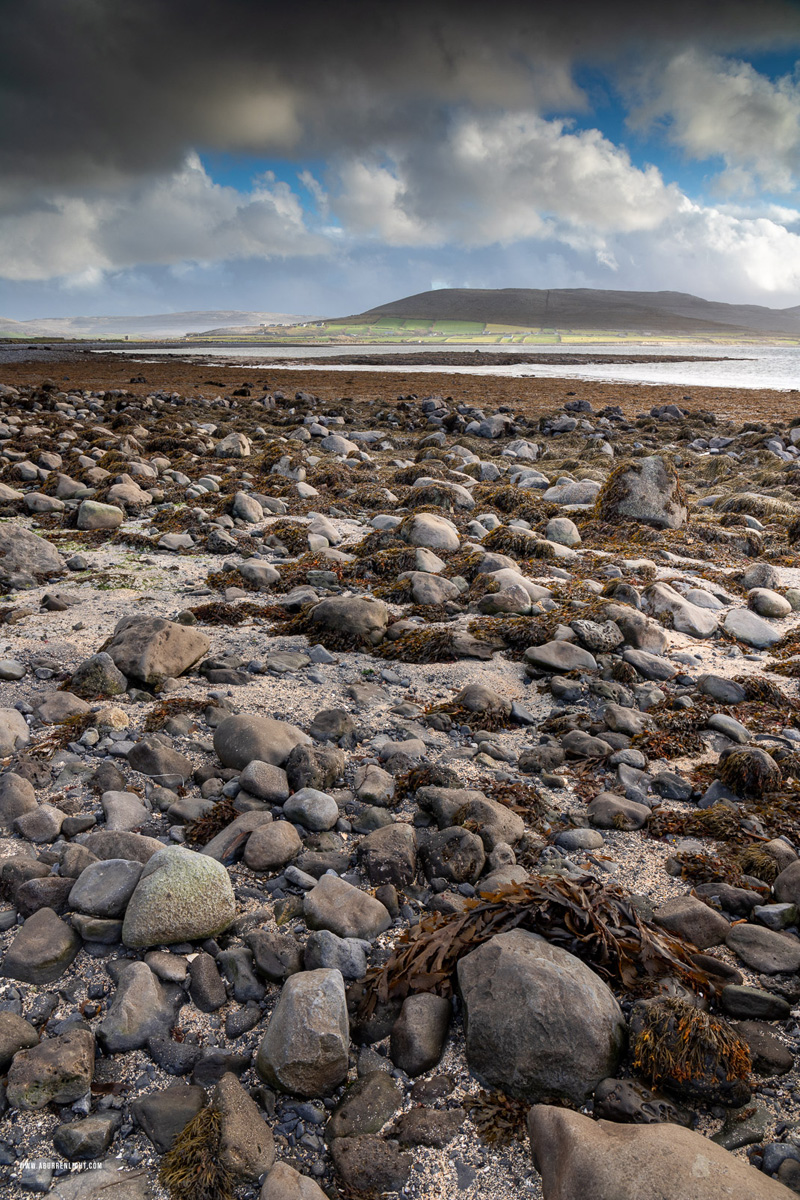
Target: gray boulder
{"type": "Point", "coordinates": [14, 732]}
{"type": "Point", "coordinates": [103, 889]}
{"type": "Point", "coordinates": [150, 649]}
{"type": "Point", "coordinates": [604, 1160]}
{"type": "Point", "coordinates": [420, 1032]}
{"type": "Point", "coordinates": [538, 1022]}
{"type": "Point", "coordinates": [42, 950]}
{"type": "Point", "coordinates": [238, 740]}
{"type": "Point", "coordinates": [24, 557]}
{"type": "Point", "coordinates": [560, 657]}
{"type": "Point", "coordinates": [336, 905]}
{"type": "Point", "coordinates": [181, 896]}
{"type": "Point", "coordinates": [246, 1146]}
{"type": "Point", "coordinates": [57, 1071]}
{"type": "Point", "coordinates": [751, 629]}
{"type": "Point", "coordinates": [646, 491]}
{"type": "Point", "coordinates": [306, 1044]}
{"type": "Point", "coordinates": [285, 1183]}
{"type": "Point", "coordinates": [140, 1010]}
{"type": "Point", "coordinates": [349, 618]}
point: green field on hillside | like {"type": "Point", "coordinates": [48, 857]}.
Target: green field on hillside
{"type": "Point", "coordinates": [416, 331]}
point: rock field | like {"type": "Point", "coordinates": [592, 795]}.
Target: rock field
{"type": "Point", "coordinates": [398, 796]}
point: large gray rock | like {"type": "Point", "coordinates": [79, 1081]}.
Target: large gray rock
{"type": "Point", "coordinates": [336, 905]}
{"type": "Point", "coordinates": [538, 1022]}
{"type": "Point", "coordinates": [272, 846]}
{"type": "Point", "coordinates": [150, 649]}
{"type": "Point", "coordinates": [42, 950]}
{"type": "Point", "coordinates": [166, 1113]}
{"type": "Point", "coordinates": [57, 1071]}
{"type": "Point", "coordinates": [182, 895]}
{"type": "Point", "coordinates": [14, 732]}
{"type": "Point", "coordinates": [693, 920]}
{"type": "Point", "coordinates": [312, 809]}
{"type": "Point", "coordinates": [140, 1010]}
{"type": "Point", "coordinates": [420, 1032]}
{"type": "Point", "coordinates": [94, 515]}
{"type": "Point", "coordinates": [103, 889]}
{"type": "Point", "coordinates": [604, 1160]}
{"type": "Point", "coordinates": [238, 740]}
{"type": "Point", "coordinates": [305, 1047]}
{"type": "Point", "coordinates": [285, 1183]}
{"type": "Point", "coordinates": [646, 491]}
{"type": "Point", "coordinates": [389, 855]}
{"type": "Point", "coordinates": [24, 557]}
{"type": "Point", "coordinates": [687, 618]}
{"type": "Point", "coordinates": [351, 618]}
{"type": "Point", "coordinates": [431, 530]}
{"type": "Point", "coordinates": [763, 949]}
{"type": "Point", "coordinates": [98, 676]}
{"type": "Point", "coordinates": [15, 1034]}
{"type": "Point", "coordinates": [16, 798]}
{"type": "Point", "coordinates": [246, 1146]}
{"type": "Point", "coordinates": [560, 657]}
{"type": "Point", "coordinates": [751, 629]}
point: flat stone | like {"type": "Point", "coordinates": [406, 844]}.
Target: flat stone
{"type": "Point", "coordinates": [560, 657]}
{"type": "Point", "coordinates": [751, 629]}
{"type": "Point", "coordinates": [764, 950]}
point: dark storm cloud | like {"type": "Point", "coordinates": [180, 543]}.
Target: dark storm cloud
{"type": "Point", "coordinates": [97, 92]}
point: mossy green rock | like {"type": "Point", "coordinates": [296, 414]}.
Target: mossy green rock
{"type": "Point", "coordinates": [181, 896]}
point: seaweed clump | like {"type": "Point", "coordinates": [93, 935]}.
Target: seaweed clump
{"type": "Point", "coordinates": [192, 1169]}
{"type": "Point", "coordinates": [599, 924]}
{"type": "Point", "coordinates": [498, 1118]}
{"type": "Point", "coordinates": [516, 633]}
{"type": "Point", "coordinates": [749, 773]}
{"type": "Point", "coordinates": [200, 831]}
{"type": "Point", "coordinates": [426, 775]}
{"type": "Point", "coordinates": [423, 646]}
{"type": "Point", "coordinates": [677, 1045]}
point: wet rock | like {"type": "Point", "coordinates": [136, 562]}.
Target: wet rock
{"type": "Point", "coordinates": [366, 1107]}
{"type": "Point", "coordinates": [305, 1047]}
{"type": "Point", "coordinates": [454, 854]}
{"type": "Point", "coordinates": [42, 950]}
{"type": "Point", "coordinates": [389, 855]}
{"type": "Point", "coordinates": [265, 781]}
{"type": "Point", "coordinates": [206, 986]}
{"type": "Point", "coordinates": [246, 1146]}
{"type": "Point", "coordinates": [420, 1032]}
{"type": "Point", "coordinates": [181, 895]}
{"type": "Point", "coordinates": [770, 1055]}
{"type": "Point", "coordinates": [577, 1156]}
{"type": "Point", "coordinates": [739, 1000]}
{"type": "Point", "coordinates": [87, 1139]}
{"type": "Point", "coordinates": [336, 905]}
{"type": "Point", "coordinates": [276, 955]}
{"type": "Point", "coordinates": [272, 846]}
{"type": "Point", "coordinates": [763, 949]}
{"type": "Point", "coordinates": [103, 889]}
{"type": "Point", "coordinates": [347, 955]}
{"type": "Point", "coordinates": [140, 1010]}
{"type": "Point", "coordinates": [428, 1126]}
{"type": "Point", "coordinates": [166, 1113]}
{"type": "Point", "coordinates": [538, 1022]}
{"type": "Point", "coordinates": [646, 491]}
{"type": "Point", "coordinates": [150, 649]}
{"type": "Point", "coordinates": [313, 809]}
{"type": "Point", "coordinates": [239, 740]}
{"type": "Point", "coordinates": [693, 920]}
{"type": "Point", "coordinates": [630, 1102]}
{"type": "Point", "coordinates": [15, 1034]}
{"type": "Point", "coordinates": [371, 1166]}
{"type": "Point", "coordinates": [59, 1071]}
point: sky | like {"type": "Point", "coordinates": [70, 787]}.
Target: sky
{"type": "Point", "coordinates": [321, 158]}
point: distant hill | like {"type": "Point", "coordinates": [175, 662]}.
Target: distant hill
{"type": "Point", "coordinates": [587, 308]}
{"type": "Point", "coordinates": [160, 325]}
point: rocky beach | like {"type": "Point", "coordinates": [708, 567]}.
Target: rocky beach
{"type": "Point", "coordinates": [400, 785]}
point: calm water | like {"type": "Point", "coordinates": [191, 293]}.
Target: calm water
{"type": "Point", "coordinates": [748, 366]}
